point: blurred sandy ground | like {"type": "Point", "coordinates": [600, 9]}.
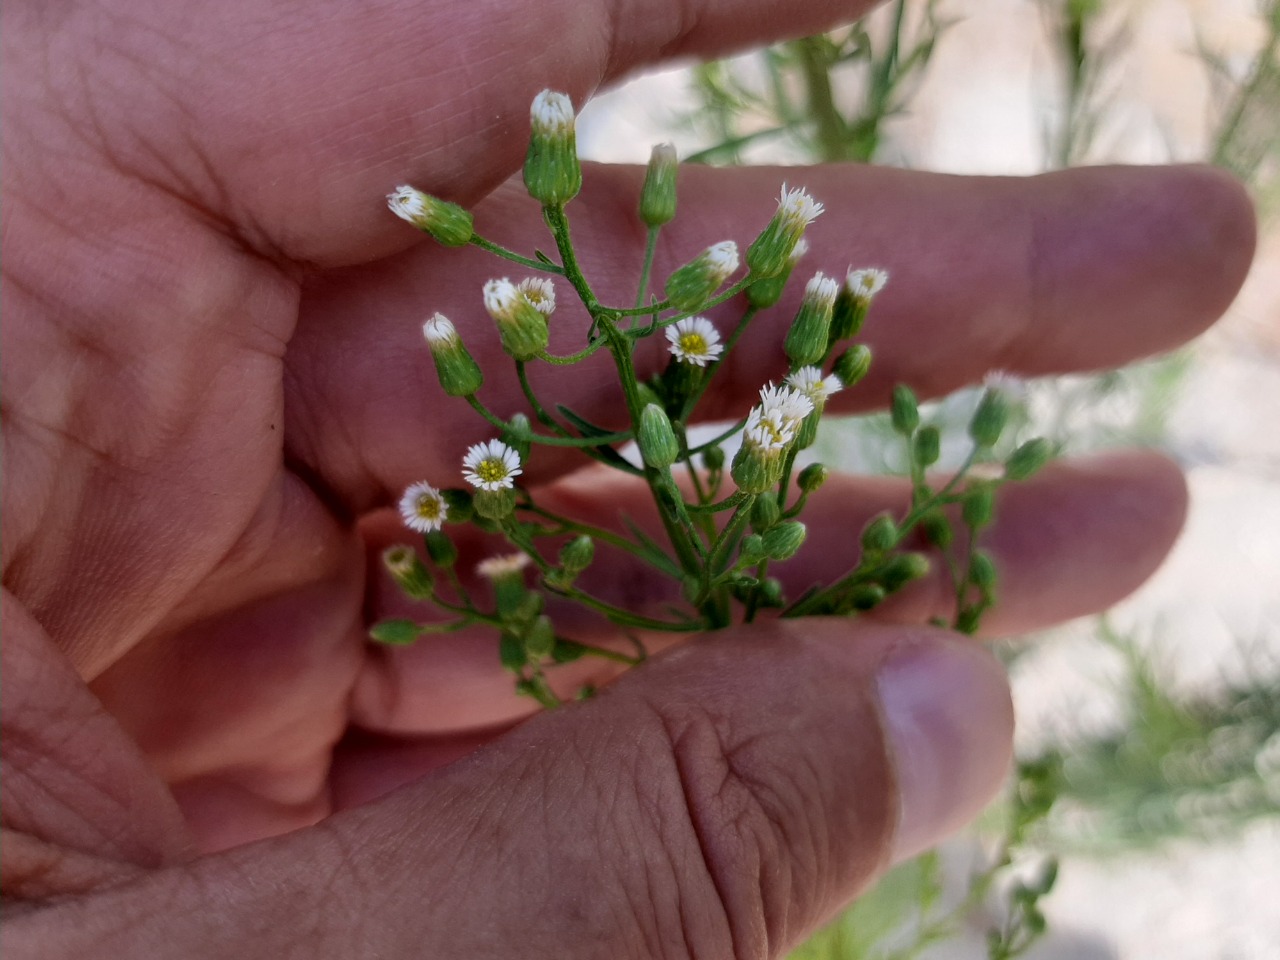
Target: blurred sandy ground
{"type": "Point", "coordinates": [1213, 611]}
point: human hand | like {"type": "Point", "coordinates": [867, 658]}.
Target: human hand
{"type": "Point", "coordinates": [214, 376]}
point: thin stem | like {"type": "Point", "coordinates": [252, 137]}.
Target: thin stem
{"type": "Point", "coordinates": [719, 437]}
{"type": "Point", "coordinates": [582, 443]}
{"type": "Point", "coordinates": [604, 654]}
{"type": "Point", "coordinates": [729, 294]}
{"type": "Point", "coordinates": [539, 411]}
{"type": "Point", "coordinates": [650, 248]}
{"type": "Point", "coordinates": [505, 254]}
{"type": "Point", "coordinates": [559, 226]}
{"type": "Point", "coordinates": [599, 533]}
{"type": "Point", "coordinates": [622, 616]}
{"type": "Point", "coordinates": [563, 361]}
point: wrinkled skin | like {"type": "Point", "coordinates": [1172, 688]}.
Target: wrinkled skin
{"type": "Point", "coordinates": [214, 381]}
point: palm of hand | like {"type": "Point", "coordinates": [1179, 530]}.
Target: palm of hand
{"type": "Point", "coordinates": [218, 370]}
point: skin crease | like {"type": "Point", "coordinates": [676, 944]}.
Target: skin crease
{"type": "Point", "coordinates": [214, 384]}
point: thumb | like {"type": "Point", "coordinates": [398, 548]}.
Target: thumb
{"type": "Point", "coordinates": [720, 802]}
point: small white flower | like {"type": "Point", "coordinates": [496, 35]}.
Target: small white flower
{"type": "Point", "coordinates": [540, 292]}
{"type": "Point", "coordinates": [866, 283]}
{"type": "Point", "coordinates": [797, 209]}
{"type": "Point", "coordinates": [766, 431]}
{"type": "Point", "coordinates": [500, 298]}
{"type": "Point", "coordinates": [722, 258]}
{"type": "Point", "coordinates": [492, 568]}
{"type": "Point", "coordinates": [551, 112]}
{"type": "Point", "coordinates": [821, 291]}
{"type": "Point", "coordinates": [399, 559]}
{"type": "Point", "coordinates": [423, 508]}
{"type": "Point", "coordinates": [439, 331]}
{"type": "Point", "coordinates": [790, 406]}
{"type": "Point", "coordinates": [810, 382]}
{"type": "Point", "coordinates": [694, 340]}
{"type": "Point", "coordinates": [408, 203]}
{"type": "Point", "coordinates": [491, 465]}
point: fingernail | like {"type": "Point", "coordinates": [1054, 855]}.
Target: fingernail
{"type": "Point", "coordinates": [949, 728]}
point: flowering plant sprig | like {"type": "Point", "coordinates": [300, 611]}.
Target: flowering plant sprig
{"type": "Point", "coordinates": [723, 529]}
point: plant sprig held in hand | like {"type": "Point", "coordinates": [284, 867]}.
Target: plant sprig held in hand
{"type": "Point", "coordinates": [723, 529]}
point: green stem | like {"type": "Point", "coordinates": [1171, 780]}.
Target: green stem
{"type": "Point", "coordinates": [729, 294]}
{"type": "Point", "coordinates": [583, 443]}
{"type": "Point", "coordinates": [601, 652]}
{"type": "Point", "coordinates": [539, 411]}
{"type": "Point", "coordinates": [650, 248]}
{"type": "Point", "coordinates": [625, 617]}
{"type": "Point", "coordinates": [566, 360]}
{"type": "Point", "coordinates": [719, 437]}
{"type": "Point", "coordinates": [559, 226]}
{"type": "Point", "coordinates": [599, 533]}
{"type": "Point", "coordinates": [504, 253]}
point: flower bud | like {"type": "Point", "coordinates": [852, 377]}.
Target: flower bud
{"type": "Point", "coordinates": [577, 554]}
{"type": "Point", "coordinates": [1028, 459]}
{"type": "Point", "coordinates": [713, 458]}
{"type": "Point", "coordinates": [904, 410]}
{"type": "Point", "coordinates": [754, 469]}
{"type": "Point", "coordinates": [459, 503]}
{"type": "Point", "coordinates": [783, 540]}
{"type": "Point", "coordinates": [656, 439]}
{"type": "Point", "coordinates": [408, 571]}
{"type": "Point", "coordinates": [459, 375]}
{"type": "Point", "coordinates": [692, 285]}
{"type": "Point", "coordinates": [752, 550]}
{"type": "Point", "coordinates": [926, 446]}
{"type": "Point", "coordinates": [395, 633]}
{"type": "Point", "coordinates": [806, 341]}
{"type": "Point", "coordinates": [812, 477]}
{"type": "Point", "coordinates": [658, 195]}
{"type": "Point", "coordinates": [771, 593]}
{"type": "Point", "coordinates": [937, 529]}
{"type": "Point", "coordinates": [540, 638]}
{"type": "Point", "coordinates": [853, 302]}
{"type": "Point", "coordinates": [768, 254]}
{"type": "Point", "coordinates": [978, 505]}
{"type": "Point", "coordinates": [764, 513]}
{"type": "Point", "coordinates": [440, 549]}
{"type": "Point", "coordinates": [867, 596]}
{"type": "Point", "coordinates": [506, 573]}
{"type": "Point", "coordinates": [521, 325]}
{"type": "Point", "coordinates": [552, 173]}
{"type": "Point", "coordinates": [989, 418]}
{"type": "Point", "coordinates": [447, 222]}
{"type": "Point", "coordinates": [902, 569]}
{"type": "Point", "coordinates": [518, 435]}
{"type": "Point", "coordinates": [982, 571]}
{"type": "Point", "coordinates": [853, 364]}
{"type": "Point", "coordinates": [880, 534]}
{"type": "Point", "coordinates": [768, 290]}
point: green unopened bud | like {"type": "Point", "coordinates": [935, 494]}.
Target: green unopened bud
{"type": "Point", "coordinates": [1028, 459]}
{"type": "Point", "coordinates": [440, 549]}
{"type": "Point", "coordinates": [495, 504]}
{"type": "Point", "coordinates": [658, 195]}
{"type": "Point", "coordinates": [755, 469]}
{"type": "Point", "coordinates": [447, 222]}
{"type": "Point", "coordinates": [989, 418]}
{"type": "Point", "coordinates": [982, 571]}
{"type": "Point", "coordinates": [521, 325]}
{"type": "Point", "coordinates": [458, 372]}
{"type": "Point", "coordinates": [518, 435]}
{"type": "Point", "coordinates": [978, 505]}
{"type": "Point", "coordinates": [752, 549]}
{"type": "Point", "coordinates": [904, 410]}
{"type": "Point", "coordinates": [396, 633]}
{"type": "Point", "coordinates": [577, 554]}
{"type": "Point", "coordinates": [812, 477]}
{"type": "Point", "coordinates": [767, 291]}
{"type": "Point", "coordinates": [937, 529]}
{"type": "Point", "coordinates": [408, 571]}
{"type": "Point", "coordinates": [540, 638]}
{"type": "Point", "coordinates": [902, 569]}
{"type": "Point", "coordinates": [783, 540]}
{"type": "Point", "coordinates": [927, 446]}
{"type": "Point", "coordinates": [764, 513]}
{"type": "Point", "coordinates": [656, 439]}
{"type": "Point", "coordinates": [713, 458]}
{"type": "Point", "coordinates": [880, 534]}
{"type": "Point", "coordinates": [692, 285]}
{"type": "Point", "coordinates": [867, 596]}
{"type": "Point", "coordinates": [807, 339]}
{"type": "Point", "coordinates": [771, 593]}
{"type": "Point", "coordinates": [853, 364]}
{"type": "Point", "coordinates": [552, 173]}
{"type": "Point", "coordinates": [769, 252]}
{"type": "Point", "coordinates": [459, 503]}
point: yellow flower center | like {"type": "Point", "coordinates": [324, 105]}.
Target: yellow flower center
{"type": "Point", "coordinates": [491, 471]}
{"type": "Point", "coordinates": [693, 343]}
{"type": "Point", "coordinates": [428, 508]}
